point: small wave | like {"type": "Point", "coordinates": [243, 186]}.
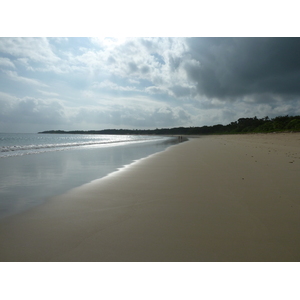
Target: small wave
{"type": "Point", "coordinates": [20, 150]}
{"type": "Point", "coordinates": [49, 146]}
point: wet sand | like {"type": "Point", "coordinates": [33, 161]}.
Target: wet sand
{"type": "Point", "coordinates": [213, 198]}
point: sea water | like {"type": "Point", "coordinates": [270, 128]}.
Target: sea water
{"type": "Point", "coordinates": [35, 167]}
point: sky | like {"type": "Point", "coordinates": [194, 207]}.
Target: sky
{"type": "Point", "coordinates": [136, 83]}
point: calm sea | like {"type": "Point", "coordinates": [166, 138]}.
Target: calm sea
{"type": "Point", "coordinates": [34, 167]}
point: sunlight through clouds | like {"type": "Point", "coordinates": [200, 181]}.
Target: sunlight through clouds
{"type": "Point", "coordinates": [148, 82]}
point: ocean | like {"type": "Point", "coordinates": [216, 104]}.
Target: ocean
{"type": "Point", "coordinates": [36, 167]}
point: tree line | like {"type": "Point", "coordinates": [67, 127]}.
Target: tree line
{"type": "Point", "coordinates": [242, 125]}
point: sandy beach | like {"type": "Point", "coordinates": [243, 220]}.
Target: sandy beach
{"type": "Point", "coordinates": [213, 198]}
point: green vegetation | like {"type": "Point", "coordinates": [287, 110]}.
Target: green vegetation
{"type": "Point", "coordinates": [242, 125]}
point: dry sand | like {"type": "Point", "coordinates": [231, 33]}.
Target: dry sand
{"type": "Point", "coordinates": [214, 198]}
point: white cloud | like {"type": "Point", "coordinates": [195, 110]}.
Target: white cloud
{"type": "Point", "coordinates": [6, 62]}
{"type": "Point", "coordinates": [108, 42]}
{"type": "Point", "coordinates": [19, 114]}
{"type": "Point", "coordinates": [156, 90]}
{"type": "Point", "coordinates": [151, 59]}
{"type": "Point", "coordinates": [7, 101]}
{"type": "Point", "coordinates": [24, 61]}
{"type": "Point", "coordinates": [36, 49]}
{"type": "Point", "coordinates": [106, 84]}
{"type": "Point", "coordinates": [14, 76]}
{"type": "Point", "coordinates": [51, 94]}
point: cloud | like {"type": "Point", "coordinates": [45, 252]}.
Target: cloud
{"type": "Point", "coordinates": [6, 62]}
{"type": "Point", "coordinates": [29, 113]}
{"type": "Point", "coordinates": [7, 101]}
{"type": "Point", "coordinates": [132, 117]}
{"type": "Point", "coordinates": [171, 117]}
{"type": "Point", "coordinates": [233, 67]}
{"type": "Point", "coordinates": [183, 91]}
{"type": "Point", "coordinates": [26, 63]}
{"type": "Point", "coordinates": [35, 49]}
{"type": "Point", "coordinates": [49, 94]}
{"type": "Point", "coordinates": [106, 84]}
{"type": "Point", "coordinates": [142, 59]}
{"type": "Point", "coordinates": [156, 90]}
{"type": "Point", "coordinates": [14, 76]}
{"type": "Point", "coordinates": [147, 82]}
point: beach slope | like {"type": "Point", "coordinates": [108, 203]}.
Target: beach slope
{"type": "Point", "coordinates": [213, 198]}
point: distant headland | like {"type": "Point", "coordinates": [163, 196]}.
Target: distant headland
{"type": "Point", "coordinates": [242, 125]}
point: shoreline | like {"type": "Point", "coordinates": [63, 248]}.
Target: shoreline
{"type": "Point", "coordinates": [29, 179]}
{"type": "Point", "coordinates": [212, 198]}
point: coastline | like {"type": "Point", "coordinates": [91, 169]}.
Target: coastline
{"type": "Point", "coordinates": [45, 167]}
{"type": "Point", "coordinates": [213, 198]}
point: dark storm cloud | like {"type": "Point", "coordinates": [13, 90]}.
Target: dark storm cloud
{"type": "Point", "coordinates": [230, 67]}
